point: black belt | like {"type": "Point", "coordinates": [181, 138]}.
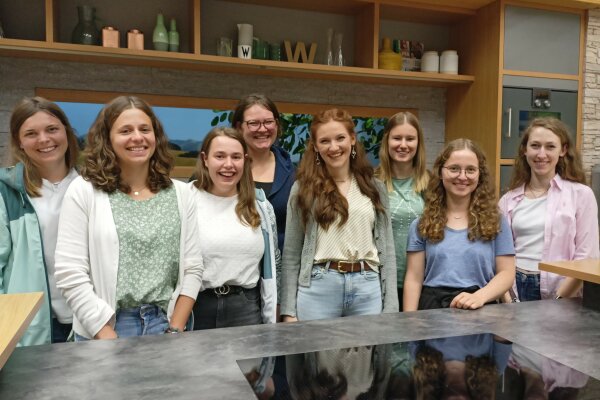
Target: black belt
{"type": "Point", "coordinates": [226, 290]}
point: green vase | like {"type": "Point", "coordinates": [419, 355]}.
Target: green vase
{"type": "Point", "coordinates": [160, 38]}
{"type": "Point", "coordinates": [173, 36]}
{"type": "Point", "coordinates": [85, 31]}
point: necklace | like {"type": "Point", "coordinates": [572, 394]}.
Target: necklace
{"type": "Point", "coordinates": [137, 192]}
{"type": "Point", "coordinates": [536, 194]}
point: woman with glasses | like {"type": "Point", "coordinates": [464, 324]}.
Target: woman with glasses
{"type": "Point", "coordinates": [403, 170]}
{"type": "Point", "coordinates": [552, 213]}
{"type": "Point", "coordinates": [338, 258]}
{"type": "Point", "coordinates": [31, 195]}
{"type": "Point", "coordinates": [460, 251]}
{"type": "Point", "coordinates": [272, 169]}
{"type": "Point", "coordinates": [127, 256]}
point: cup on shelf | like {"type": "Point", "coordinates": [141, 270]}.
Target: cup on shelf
{"type": "Point", "coordinates": [245, 36]}
{"type": "Point", "coordinates": [430, 62]}
{"type": "Point", "coordinates": [224, 47]}
{"type": "Point", "coordinates": [449, 62]}
{"type": "Point", "coordinates": [275, 51]}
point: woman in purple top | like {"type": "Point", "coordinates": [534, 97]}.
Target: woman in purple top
{"type": "Point", "coordinates": [552, 213]}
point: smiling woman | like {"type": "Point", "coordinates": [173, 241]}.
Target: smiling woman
{"type": "Point", "coordinates": [31, 194]}
{"type": "Point", "coordinates": [127, 257]}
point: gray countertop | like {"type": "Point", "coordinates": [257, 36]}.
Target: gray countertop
{"type": "Point", "coordinates": [202, 365]}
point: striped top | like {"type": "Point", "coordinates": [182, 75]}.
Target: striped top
{"type": "Point", "coordinates": [354, 240]}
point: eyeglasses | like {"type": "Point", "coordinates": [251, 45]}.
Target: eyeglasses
{"type": "Point", "coordinates": [454, 171]}
{"type": "Point", "coordinates": [254, 125]}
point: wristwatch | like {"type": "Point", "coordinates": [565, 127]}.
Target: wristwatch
{"type": "Point", "coordinates": [172, 329]}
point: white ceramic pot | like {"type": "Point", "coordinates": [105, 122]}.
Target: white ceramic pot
{"type": "Point", "coordinates": [430, 62]}
{"type": "Point", "coordinates": [449, 62]}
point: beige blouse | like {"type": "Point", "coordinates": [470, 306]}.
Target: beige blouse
{"type": "Point", "coordinates": [354, 240]}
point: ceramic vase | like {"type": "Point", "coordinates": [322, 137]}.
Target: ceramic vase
{"type": "Point", "coordinates": [388, 59]}
{"type": "Point", "coordinates": [85, 31]}
{"type": "Point", "coordinates": [160, 37]}
{"type": "Point", "coordinates": [173, 36]}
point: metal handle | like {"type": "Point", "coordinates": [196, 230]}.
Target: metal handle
{"type": "Point", "coordinates": [509, 132]}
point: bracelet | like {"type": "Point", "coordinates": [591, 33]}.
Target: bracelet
{"type": "Point", "coordinates": [172, 329]}
{"type": "Point", "coordinates": [558, 297]}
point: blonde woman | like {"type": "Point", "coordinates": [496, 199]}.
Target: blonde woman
{"type": "Point", "coordinates": [403, 170]}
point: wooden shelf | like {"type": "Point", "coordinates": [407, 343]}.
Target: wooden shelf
{"type": "Point", "coordinates": [150, 58]}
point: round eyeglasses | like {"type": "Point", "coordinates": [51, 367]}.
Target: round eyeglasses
{"type": "Point", "coordinates": [454, 171]}
{"type": "Point", "coordinates": [254, 125]}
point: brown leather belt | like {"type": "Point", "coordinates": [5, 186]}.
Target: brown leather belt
{"type": "Point", "coordinates": [347, 266]}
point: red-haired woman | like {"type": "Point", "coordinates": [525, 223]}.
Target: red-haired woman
{"type": "Point", "coordinates": [338, 257]}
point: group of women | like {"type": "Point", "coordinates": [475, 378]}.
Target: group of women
{"type": "Point", "coordinates": [120, 249]}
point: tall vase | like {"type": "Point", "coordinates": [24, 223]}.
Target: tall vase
{"type": "Point", "coordinates": [85, 31]}
{"type": "Point", "coordinates": [329, 52]}
{"type": "Point", "coordinates": [160, 37]}
{"type": "Point", "coordinates": [173, 36]}
{"type": "Point", "coordinates": [338, 57]}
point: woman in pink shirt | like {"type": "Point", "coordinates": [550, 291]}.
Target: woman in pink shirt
{"type": "Point", "coordinates": [552, 213]}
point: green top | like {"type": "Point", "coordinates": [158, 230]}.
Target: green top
{"type": "Point", "coordinates": [405, 206]}
{"type": "Point", "coordinates": [149, 234]}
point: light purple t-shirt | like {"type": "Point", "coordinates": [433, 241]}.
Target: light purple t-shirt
{"type": "Point", "coordinates": [456, 261]}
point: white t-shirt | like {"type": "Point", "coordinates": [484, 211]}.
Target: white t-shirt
{"type": "Point", "coordinates": [529, 220]}
{"type": "Point", "coordinates": [231, 250]}
{"type": "Point", "coordinates": [47, 209]}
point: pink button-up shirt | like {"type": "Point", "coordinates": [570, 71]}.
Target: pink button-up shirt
{"type": "Point", "coordinates": [571, 228]}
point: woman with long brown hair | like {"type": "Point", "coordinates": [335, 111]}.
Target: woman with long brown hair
{"type": "Point", "coordinates": [338, 257]}
{"type": "Point", "coordinates": [460, 252]}
{"type": "Point", "coordinates": [552, 213]}
{"type": "Point", "coordinates": [403, 170]}
{"type": "Point", "coordinates": [127, 257]}
{"type": "Point", "coordinates": [31, 193]}
{"type": "Point", "coordinates": [237, 236]}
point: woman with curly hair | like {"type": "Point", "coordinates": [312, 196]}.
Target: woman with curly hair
{"type": "Point", "coordinates": [403, 170]}
{"type": "Point", "coordinates": [460, 252]}
{"type": "Point", "coordinates": [127, 257]}
{"type": "Point", "coordinates": [552, 213]}
{"type": "Point", "coordinates": [338, 257]}
{"type": "Point", "coordinates": [31, 193]}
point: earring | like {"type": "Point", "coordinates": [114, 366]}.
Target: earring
{"type": "Point", "coordinates": [317, 159]}
{"type": "Point", "coordinates": [353, 152]}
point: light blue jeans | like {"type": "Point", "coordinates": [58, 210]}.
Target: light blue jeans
{"type": "Point", "coordinates": [333, 294]}
{"type": "Point", "coordinates": [146, 319]}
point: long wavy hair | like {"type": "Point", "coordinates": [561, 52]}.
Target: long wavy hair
{"type": "Point", "coordinates": [249, 101]}
{"type": "Point", "coordinates": [101, 166]}
{"type": "Point", "coordinates": [245, 208]}
{"type": "Point", "coordinates": [318, 194]}
{"type": "Point", "coordinates": [25, 109]}
{"type": "Point", "coordinates": [484, 216]}
{"type": "Point", "coordinates": [569, 166]}
{"type": "Point", "coordinates": [419, 162]}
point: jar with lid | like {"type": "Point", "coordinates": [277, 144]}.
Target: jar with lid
{"type": "Point", "coordinates": [430, 62]}
{"type": "Point", "coordinates": [449, 62]}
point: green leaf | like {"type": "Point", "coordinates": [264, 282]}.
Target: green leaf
{"type": "Point", "coordinates": [214, 121]}
{"type": "Point", "coordinates": [223, 117]}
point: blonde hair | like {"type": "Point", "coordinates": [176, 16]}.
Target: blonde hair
{"type": "Point", "coordinates": [419, 162]}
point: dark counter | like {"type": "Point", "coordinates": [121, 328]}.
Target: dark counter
{"type": "Point", "coordinates": [202, 365]}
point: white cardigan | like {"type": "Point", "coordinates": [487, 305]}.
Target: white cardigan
{"type": "Point", "coordinates": [87, 255]}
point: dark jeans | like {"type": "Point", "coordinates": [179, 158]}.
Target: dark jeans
{"type": "Point", "coordinates": [234, 309]}
{"type": "Point", "coordinates": [528, 286]}
{"type": "Point", "coordinates": [441, 297]}
{"type": "Point", "coordinates": [400, 298]}
{"type": "Point", "coordinates": [60, 332]}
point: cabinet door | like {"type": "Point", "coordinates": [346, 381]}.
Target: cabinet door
{"type": "Point", "coordinates": [518, 112]}
{"type": "Point", "coordinates": [505, 177]}
{"type": "Point", "coordinates": [541, 40]}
